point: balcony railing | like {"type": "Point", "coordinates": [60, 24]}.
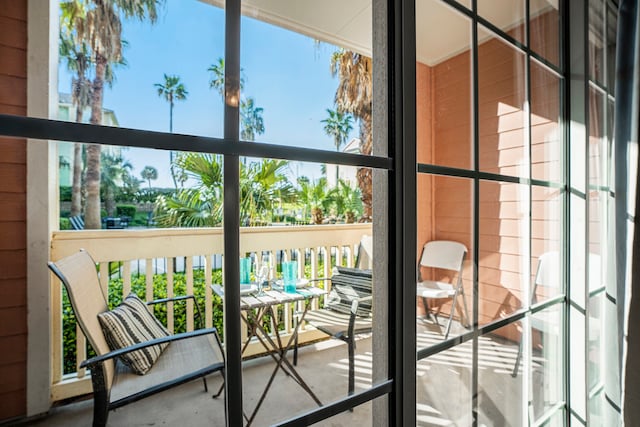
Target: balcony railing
{"type": "Point", "coordinates": [153, 252]}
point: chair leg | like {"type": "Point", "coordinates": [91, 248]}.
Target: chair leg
{"type": "Point", "coordinates": [206, 387]}
{"type": "Point", "coordinates": [351, 345]}
{"type": "Point", "coordinates": [100, 408]}
{"type": "Point", "coordinates": [516, 365]}
{"type": "Point", "coordinates": [221, 387]}
{"type": "Point", "coordinates": [295, 346]}
{"type": "Point", "coordinates": [453, 309]}
{"type": "Point", "coordinates": [466, 312]}
{"type": "Point", "coordinates": [429, 313]}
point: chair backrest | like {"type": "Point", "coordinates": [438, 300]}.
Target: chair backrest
{"type": "Point", "coordinates": [443, 254]}
{"type": "Point", "coordinates": [79, 275]}
{"type": "Point", "coordinates": [364, 260]}
{"type": "Point", "coordinates": [548, 272]}
{"type": "Point", "coordinates": [348, 284]}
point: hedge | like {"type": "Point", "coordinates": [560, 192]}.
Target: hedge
{"type": "Point", "coordinates": [126, 210]}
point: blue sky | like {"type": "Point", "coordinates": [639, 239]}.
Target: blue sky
{"type": "Point", "coordinates": [286, 73]}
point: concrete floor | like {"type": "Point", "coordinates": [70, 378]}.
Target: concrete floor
{"type": "Point", "coordinates": [443, 390]}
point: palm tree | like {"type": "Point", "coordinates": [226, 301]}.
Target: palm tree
{"type": "Point", "coordinates": [76, 54]}
{"type": "Point", "coordinates": [316, 196]}
{"type": "Point", "coordinates": [347, 201]}
{"type": "Point", "coordinates": [172, 90]}
{"type": "Point", "coordinates": [114, 168]}
{"type": "Point", "coordinates": [199, 205]}
{"type": "Point", "coordinates": [100, 26]}
{"type": "Point", "coordinates": [217, 77]}
{"type": "Point", "coordinates": [149, 173]}
{"type": "Point", "coordinates": [262, 186]}
{"type": "Point", "coordinates": [337, 125]}
{"type": "Point", "coordinates": [251, 120]}
{"type": "Point", "coordinates": [354, 95]}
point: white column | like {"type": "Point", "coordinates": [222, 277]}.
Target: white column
{"type": "Point", "coordinates": [42, 211]}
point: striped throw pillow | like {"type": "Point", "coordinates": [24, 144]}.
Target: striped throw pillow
{"type": "Point", "coordinates": [131, 323]}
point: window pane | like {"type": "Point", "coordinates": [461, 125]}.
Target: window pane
{"type": "Point", "coordinates": [596, 40]}
{"type": "Point", "coordinates": [293, 219]}
{"type": "Point", "coordinates": [504, 248]}
{"type": "Point", "coordinates": [161, 80]}
{"type": "Point", "coordinates": [545, 28]}
{"type": "Point", "coordinates": [546, 135]}
{"type": "Point", "coordinates": [546, 359]}
{"type": "Point", "coordinates": [502, 96]}
{"type": "Point", "coordinates": [500, 394]}
{"type": "Point", "coordinates": [577, 257]}
{"type": "Point", "coordinates": [307, 75]}
{"type": "Point", "coordinates": [508, 15]}
{"type": "Point", "coordinates": [577, 361]}
{"type": "Point", "coordinates": [445, 224]}
{"type": "Point", "coordinates": [443, 89]}
{"type": "Point", "coordinates": [610, 140]}
{"type": "Point", "coordinates": [596, 412]}
{"type": "Point", "coordinates": [443, 385]}
{"type": "Point", "coordinates": [612, 27]}
{"type": "Point", "coordinates": [598, 146]}
{"type": "Point", "coordinates": [595, 344]}
{"type": "Point", "coordinates": [546, 247]}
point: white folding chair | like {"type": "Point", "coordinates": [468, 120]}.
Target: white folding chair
{"type": "Point", "coordinates": [548, 276]}
{"type": "Point", "coordinates": [446, 255]}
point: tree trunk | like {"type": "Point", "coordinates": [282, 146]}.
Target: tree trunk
{"type": "Point", "coordinates": [172, 155]}
{"type": "Point", "coordinates": [316, 215]}
{"type": "Point", "coordinates": [76, 184]}
{"type": "Point", "coordinates": [364, 174]}
{"type": "Point", "coordinates": [92, 182]}
{"type": "Point", "coordinates": [109, 201]}
{"type": "Point", "coordinates": [337, 166]}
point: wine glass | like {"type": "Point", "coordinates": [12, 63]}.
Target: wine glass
{"type": "Point", "coordinates": [262, 272]}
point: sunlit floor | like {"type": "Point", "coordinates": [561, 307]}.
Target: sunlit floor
{"type": "Point", "coordinates": [444, 385]}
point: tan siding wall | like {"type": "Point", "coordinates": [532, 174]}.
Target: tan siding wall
{"type": "Point", "coordinates": [13, 282]}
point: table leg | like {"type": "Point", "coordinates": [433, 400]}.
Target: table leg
{"type": "Point", "coordinates": [282, 360]}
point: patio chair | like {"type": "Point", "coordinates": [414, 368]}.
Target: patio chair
{"type": "Point", "coordinates": [77, 223]}
{"type": "Point", "coordinates": [446, 255]}
{"type": "Point", "coordinates": [347, 309]}
{"type": "Point", "coordinates": [187, 356]}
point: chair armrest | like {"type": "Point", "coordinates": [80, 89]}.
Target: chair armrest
{"type": "Point", "coordinates": [165, 300]}
{"type": "Point", "coordinates": [139, 346]}
{"type": "Point", "coordinates": [356, 301]}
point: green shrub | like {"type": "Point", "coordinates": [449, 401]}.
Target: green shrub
{"type": "Point", "coordinates": [141, 219]}
{"type": "Point", "coordinates": [65, 193]}
{"type": "Point", "coordinates": [126, 210]}
{"type": "Point", "coordinates": [65, 224]}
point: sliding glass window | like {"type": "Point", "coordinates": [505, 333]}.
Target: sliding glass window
{"type": "Point", "coordinates": [491, 174]}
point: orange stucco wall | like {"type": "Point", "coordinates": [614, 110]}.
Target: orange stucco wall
{"type": "Point", "coordinates": [13, 271]}
{"type": "Point", "coordinates": [445, 205]}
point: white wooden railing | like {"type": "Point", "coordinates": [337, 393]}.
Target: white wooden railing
{"type": "Point", "coordinates": [143, 250]}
